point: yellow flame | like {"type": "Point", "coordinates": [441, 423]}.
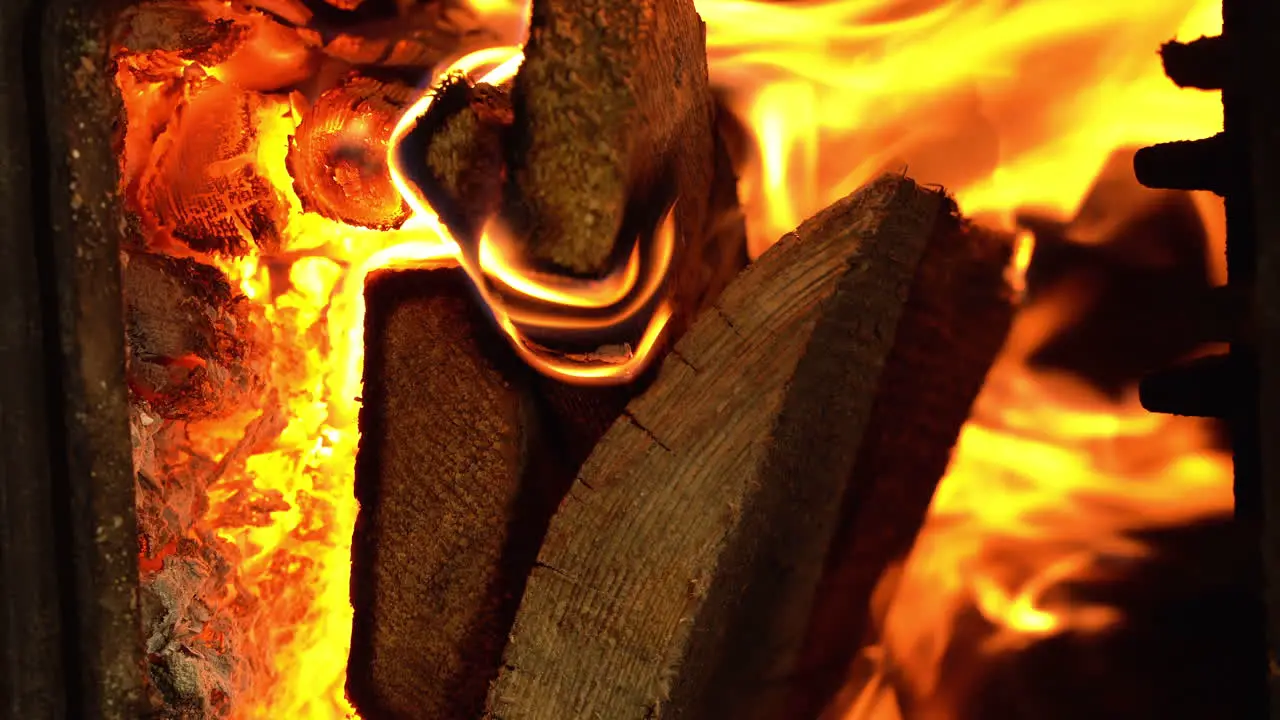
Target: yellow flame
{"type": "Point", "coordinates": [1010, 104]}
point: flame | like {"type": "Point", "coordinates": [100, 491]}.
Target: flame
{"type": "Point", "coordinates": [1011, 104]}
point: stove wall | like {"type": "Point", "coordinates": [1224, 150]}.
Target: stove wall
{"type": "Point", "coordinates": [70, 643]}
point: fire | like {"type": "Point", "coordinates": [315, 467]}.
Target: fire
{"type": "Point", "coordinates": [1010, 104]}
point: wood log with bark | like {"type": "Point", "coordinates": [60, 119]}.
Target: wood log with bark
{"type": "Point", "coordinates": [459, 155]}
{"type": "Point", "coordinates": [679, 576]}
{"type": "Point", "coordinates": [613, 120]}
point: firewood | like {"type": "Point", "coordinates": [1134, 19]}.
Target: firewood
{"type": "Point", "coordinates": [193, 352]}
{"type": "Point", "coordinates": [455, 487]}
{"type": "Point", "coordinates": [205, 188]}
{"type": "Point", "coordinates": [338, 156]}
{"type": "Point", "coordinates": [455, 153]}
{"type": "Point", "coordinates": [436, 370]}
{"type": "Point", "coordinates": [678, 576]}
{"type": "Point", "coordinates": [181, 29]}
{"type": "Point", "coordinates": [613, 122]}
{"type": "Point", "coordinates": [465, 139]}
{"type": "Point", "coordinates": [952, 328]}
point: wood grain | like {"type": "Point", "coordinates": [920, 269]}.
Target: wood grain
{"type": "Point", "coordinates": [677, 578]}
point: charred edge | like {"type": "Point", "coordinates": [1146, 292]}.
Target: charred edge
{"type": "Point", "coordinates": [451, 98]}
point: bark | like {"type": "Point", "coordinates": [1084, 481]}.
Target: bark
{"type": "Point", "coordinates": [457, 154]}
{"type": "Point", "coordinates": [613, 121]}
{"type": "Point", "coordinates": [678, 577]}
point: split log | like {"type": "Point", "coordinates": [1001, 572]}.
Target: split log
{"type": "Point", "coordinates": [455, 153]}
{"type": "Point", "coordinates": [192, 349]}
{"type": "Point", "coordinates": [677, 578]}
{"type": "Point", "coordinates": [465, 447]}
{"type": "Point", "coordinates": [613, 122]}
{"type": "Point", "coordinates": [951, 331]}
{"type": "Point", "coordinates": [338, 156]}
{"type": "Point", "coordinates": [205, 187]}
{"type": "Point", "coordinates": [455, 487]}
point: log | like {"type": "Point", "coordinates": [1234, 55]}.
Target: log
{"type": "Point", "coordinates": [677, 578]}
{"type": "Point", "coordinates": [177, 30]}
{"type": "Point", "coordinates": [455, 153]}
{"type": "Point", "coordinates": [338, 155]}
{"type": "Point", "coordinates": [952, 329]}
{"type": "Point", "coordinates": [205, 188]}
{"type": "Point", "coordinates": [192, 350]}
{"type": "Point", "coordinates": [613, 122]}
{"type": "Point", "coordinates": [431, 619]}
{"type": "Point", "coordinates": [455, 488]}
{"type": "Point", "coordinates": [458, 155]}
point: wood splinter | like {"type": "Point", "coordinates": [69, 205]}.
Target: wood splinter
{"type": "Point", "coordinates": [679, 576]}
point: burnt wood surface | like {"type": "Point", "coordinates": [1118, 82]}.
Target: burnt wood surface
{"type": "Point", "coordinates": [613, 119]}
{"type": "Point", "coordinates": [337, 156]}
{"type": "Point", "coordinates": [678, 577]}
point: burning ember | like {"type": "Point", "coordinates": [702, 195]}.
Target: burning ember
{"type": "Point", "coordinates": [260, 159]}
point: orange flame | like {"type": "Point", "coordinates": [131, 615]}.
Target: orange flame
{"type": "Point", "coordinates": [562, 296]}
{"type": "Point", "coordinates": [993, 99]}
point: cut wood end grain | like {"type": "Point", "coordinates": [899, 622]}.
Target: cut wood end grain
{"type": "Point", "coordinates": [678, 576]}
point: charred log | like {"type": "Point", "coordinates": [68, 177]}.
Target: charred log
{"type": "Point", "coordinates": [190, 342]}
{"type": "Point", "coordinates": [338, 156]}
{"type": "Point", "coordinates": [207, 188]}
{"type": "Point", "coordinates": [181, 29]}
{"type": "Point", "coordinates": [679, 575]}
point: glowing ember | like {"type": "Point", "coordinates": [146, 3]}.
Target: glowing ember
{"type": "Point", "coordinates": [1010, 104]}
